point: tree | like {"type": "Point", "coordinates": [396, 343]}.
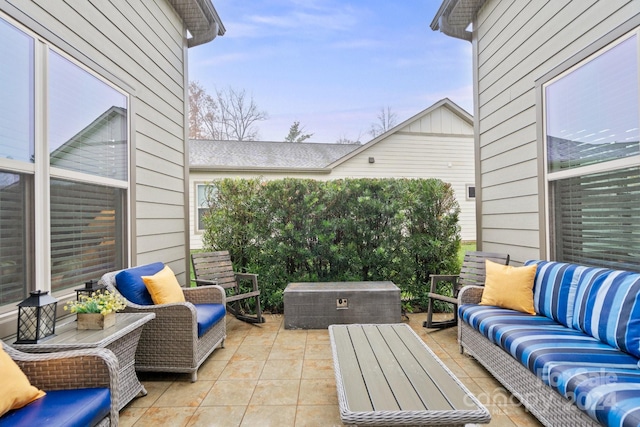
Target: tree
{"type": "Point", "coordinates": [296, 133]}
{"type": "Point", "coordinates": [386, 120]}
{"type": "Point", "coordinates": [238, 115]}
{"type": "Point", "coordinates": [231, 115]}
{"type": "Point", "coordinates": [345, 140]}
{"type": "Point", "coordinates": [203, 113]}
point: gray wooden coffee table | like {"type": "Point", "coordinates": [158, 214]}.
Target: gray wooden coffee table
{"type": "Point", "coordinates": [386, 375]}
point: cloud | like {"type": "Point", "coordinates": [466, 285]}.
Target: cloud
{"type": "Point", "coordinates": [296, 18]}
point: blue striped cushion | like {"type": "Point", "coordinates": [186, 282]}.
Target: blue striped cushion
{"type": "Point", "coordinates": [608, 308]}
{"type": "Point", "coordinates": [602, 380]}
{"type": "Point", "coordinates": [554, 290]}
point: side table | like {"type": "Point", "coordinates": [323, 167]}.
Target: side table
{"type": "Point", "coordinates": [122, 339]}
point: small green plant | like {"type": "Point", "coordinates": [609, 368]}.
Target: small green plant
{"type": "Point", "coordinates": [103, 302]}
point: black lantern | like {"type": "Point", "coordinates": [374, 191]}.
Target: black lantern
{"type": "Point", "coordinates": [89, 288]}
{"type": "Point", "coordinates": [36, 318]}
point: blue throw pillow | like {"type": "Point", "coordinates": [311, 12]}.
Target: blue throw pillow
{"type": "Point", "coordinates": [130, 284]}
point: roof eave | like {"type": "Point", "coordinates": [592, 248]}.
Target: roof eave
{"type": "Point", "coordinates": [254, 169]}
{"type": "Point", "coordinates": [201, 19]}
{"type": "Point", "coordinates": [454, 17]}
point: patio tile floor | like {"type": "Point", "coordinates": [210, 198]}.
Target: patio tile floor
{"type": "Point", "coordinates": [269, 376]}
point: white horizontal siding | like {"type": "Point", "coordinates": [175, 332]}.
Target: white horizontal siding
{"type": "Point", "coordinates": [518, 42]}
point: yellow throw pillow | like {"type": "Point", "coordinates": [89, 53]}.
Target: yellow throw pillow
{"type": "Point", "coordinates": [163, 287]}
{"type": "Point", "coordinates": [16, 390]}
{"type": "Point", "coordinates": [509, 287]}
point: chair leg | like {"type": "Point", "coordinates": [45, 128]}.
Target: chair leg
{"type": "Point", "coordinates": [429, 323]}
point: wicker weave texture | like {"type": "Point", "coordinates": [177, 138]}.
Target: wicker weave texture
{"type": "Point", "coordinates": [69, 370]}
{"type": "Point", "coordinates": [551, 408]}
{"type": "Point", "coordinates": [170, 342]}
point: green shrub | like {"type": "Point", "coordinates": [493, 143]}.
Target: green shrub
{"type": "Point", "coordinates": [294, 230]}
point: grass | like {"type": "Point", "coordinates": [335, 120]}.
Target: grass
{"type": "Point", "coordinates": [464, 247]}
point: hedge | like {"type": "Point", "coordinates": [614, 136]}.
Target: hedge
{"type": "Point", "coordinates": [302, 230]}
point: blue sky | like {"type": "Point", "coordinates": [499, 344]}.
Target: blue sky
{"type": "Point", "coordinates": [333, 64]}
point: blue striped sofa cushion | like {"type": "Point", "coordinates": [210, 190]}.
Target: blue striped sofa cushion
{"type": "Point", "coordinates": [555, 288]}
{"type": "Point", "coordinates": [601, 380]}
{"type": "Point", "coordinates": [608, 308]}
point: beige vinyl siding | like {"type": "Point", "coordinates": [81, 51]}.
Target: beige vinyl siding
{"type": "Point", "coordinates": [515, 44]}
{"type": "Point", "coordinates": [139, 46]}
{"type": "Point", "coordinates": [423, 148]}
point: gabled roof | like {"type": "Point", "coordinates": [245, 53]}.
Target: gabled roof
{"type": "Point", "coordinates": [446, 102]}
{"type": "Point", "coordinates": [200, 18]}
{"type": "Point", "coordinates": [454, 16]}
{"type": "Point", "coordinates": [264, 155]}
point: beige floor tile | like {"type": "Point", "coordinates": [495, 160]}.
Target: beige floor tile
{"type": "Point", "coordinates": [275, 369]}
{"type": "Point", "coordinates": [184, 394]}
{"type": "Point", "coordinates": [318, 392]}
{"type": "Point", "coordinates": [318, 416]}
{"type": "Point", "coordinates": [248, 351]}
{"type": "Point", "coordinates": [218, 416]}
{"type": "Point", "coordinates": [224, 353]}
{"type": "Point", "coordinates": [251, 382]}
{"type": "Point", "coordinates": [211, 369]}
{"type": "Point", "coordinates": [165, 417]}
{"type": "Point", "coordinates": [230, 393]}
{"type": "Point", "coordinates": [294, 337]}
{"type": "Point", "coordinates": [275, 392]}
{"type": "Point", "coordinates": [317, 368]}
{"type": "Point", "coordinates": [129, 415]}
{"type": "Point", "coordinates": [287, 351]}
{"type": "Point", "coordinates": [318, 336]}
{"type": "Point", "coordinates": [155, 389]}
{"type": "Point", "coordinates": [242, 370]}
{"type": "Point", "coordinates": [318, 351]}
{"type": "Point", "coordinates": [269, 416]}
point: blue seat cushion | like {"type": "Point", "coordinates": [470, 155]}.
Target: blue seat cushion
{"type": "Point", "coordinates": [78, 407]}
{"type": "Point", "coordinates": [208, 315]}
{"type": "Point", "coordinates": [130, 284]}
{"type": "Point", "coordinates": [602, 380]}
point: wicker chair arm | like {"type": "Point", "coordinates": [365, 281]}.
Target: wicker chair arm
{"type": "Point", "coordinates": [68, 370]}
{"type": "Point", "coordinates": [205, 294]}
{"type": "Point", "coordinates": [470, 294]}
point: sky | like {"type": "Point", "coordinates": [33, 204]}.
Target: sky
{"type": "Point", "coordinates": [333, 65]}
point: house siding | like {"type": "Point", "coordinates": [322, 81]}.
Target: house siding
{"type": "Point", "coordinates": [516, 43]}
{"type": "Point", "coordinates": [423, 148]}
{"type": "Point", "coordinates": [138, 45]}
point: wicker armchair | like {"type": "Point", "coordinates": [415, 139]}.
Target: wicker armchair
{"type": "Point", "coordinates": [67, 370]}
{"type": "Point", "coordinates": [170, 342]}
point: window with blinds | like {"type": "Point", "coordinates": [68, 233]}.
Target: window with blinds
{"type": "Point", "coordinates": [84, 126]}
{"type": "Point", "coordinates": [592, 134]}
{"type": "Point", "coordinates": [86, 232]}
{"type": "Point", "coordinates": [13, 237]}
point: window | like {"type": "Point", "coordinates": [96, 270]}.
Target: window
{"type": "Point", "coordinates": [471, 191]}
{"type": "Point", "coordinates": [592, 138]}
{"type": "Point", "coordinates": [63, 173]}
{"type": "Point", "coordinates": [202, 204]}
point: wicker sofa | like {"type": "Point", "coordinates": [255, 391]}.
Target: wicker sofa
{"type": "Point", "coordinates": [182, 335]}
{"type": "Point", "coordinates": [576, 361]}
{"type": "Point", "coordinates": [81, 387]}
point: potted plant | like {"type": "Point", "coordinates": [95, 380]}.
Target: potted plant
{"type": "Point", "coordinates": [97, 311]}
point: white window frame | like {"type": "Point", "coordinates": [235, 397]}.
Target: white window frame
{"type": "Point", "coordinates": [611, 165]}
{"type": "Point", "coordinates": [42, 172]}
